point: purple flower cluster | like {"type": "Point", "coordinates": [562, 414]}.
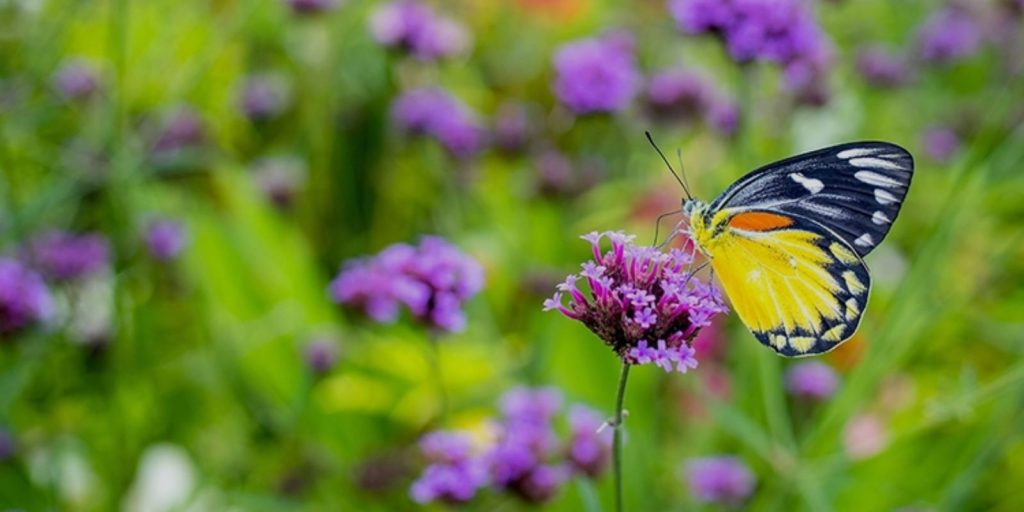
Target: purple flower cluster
{"type": "Point", "coordinates": [65, 256]}
{"type": "Point", "coordinates": [165, 239]}
{"type": "Point", "coordinates": [438, 114]}
{"type": "Point", "coordinates": [280, 178]}
{"type": "Point", "coordinates": [645, 304]}
{"type": "Point", "coordinates": [76, 80]}
{"type": "Point", "coordinates": [264, 96]}
{"type": "Point", "coordinates": [812, 380]}
{"type": "Point", "coordinates": [24, 298]}
{"type": "Point", "coordinates": [431, 280]}
{"type": "Point", "coordinates": [454, 475]}
{"type": "Point", "coordinates": [881, 67]}
{"type": "Point", "coordinates": [676, 94]}
{"type": "Point", "coordinates": [597, 75]}
{"type": "Point", "coordinates": [780, 31]}
{"type": "Point", "coordinates": [527, 458]}
{"type": "Point", "coordinates": [940, 143]}
{"type": "Point", "coordinates": [321, 354]}
{"type": "Point", "coordinates": [416, 28]}
{"type": "Point", "coordinates": [311, 7]}
{"type": "Point", "coordinates": [724, 480]}
{"type": "Point", "coordinates": [948, 35]}
{"type": "Point", "coordinates": [180, 130]}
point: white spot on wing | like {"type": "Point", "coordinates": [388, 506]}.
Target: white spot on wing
{"type": "Point", "coordinates": [864, 240]}
{"type": "Point", "coordinates": [876, 163]}
{"type": "Point", "coordinates": [847, 154]}
{"type": "Point", "coordinates": [880, 218]}
{"type": "Point", "coordinates": [884, 197]}
{"type": "Point", "coordinates": [876, 179]}
{"type": "Point", "coordinates": [812, 185]}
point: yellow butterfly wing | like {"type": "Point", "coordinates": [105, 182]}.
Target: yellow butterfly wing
{"type": "Point", "coordinates": [799, 288]}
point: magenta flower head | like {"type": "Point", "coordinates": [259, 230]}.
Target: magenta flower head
{"type": "Point", "coordinates": [264, 96]}
{"type": "Point", "coordinates": [881, 67]}
{"type": "Point", "coordinates": [431, 281]}
{"type": "Point", "coordinates": [414, 27]}
{"type": "Point", "coordinates": [597, 75]}
{"type": "Point", "coordinates": [678, 95]}
{"type": "Point", "coordinates": [645, 304]}
{"type": "Point", "coordinates": [165, 239]}
{"type": "Point", "coordinates": [438, 114]}
{"type": "Point", "coordinates": [940, 143]}
{"type": "Point", "coordinates": [455, 473]}
{"type": "Point", "coordinates": [723, 480]}
{"type": "Point", "coordinates": [64, 256]}
{"type": "Point", "coordinates": [76, 80]}
{"type": "Point", "coordinates": [311, 7]}
{"type": "Point", "coordinates": [948, 35]}
{"type": "Point", "coordinates": [590, 447]}
{"type": "Point", "coordinates": [24, 298]}
{"type": "Point", "coordinates": [811, 379]}
{"type": "Point", "coordinates": [519, 460]}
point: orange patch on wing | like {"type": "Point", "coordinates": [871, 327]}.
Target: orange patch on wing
{"type": "Point", "coordinates": [759, 221]}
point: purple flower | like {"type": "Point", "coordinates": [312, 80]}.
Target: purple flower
{"type": "Point", "coordinates": [542, 483]}
{"type": "Point", "coordinates": [880, 67]}
{"type": "Point", "coordinates": [311, 7]}
{"type": "Point", "coordinates": [527, 440]}
{"type": "Point", "coordinates": [264, 96]}
{"type": "Point", "coordinates": [625, 281]}
{"type": "Point", "coordinates": [76, 80]}
{"type": "Point", "coordinates": [948, 35]}
{"type": "Point", "coordinates": [321, 355]}
{"type": "Point", "coordinates": [8, 446]}
{"type": "Point", "coordinates": [24, 298]}
{"type": "Point", "coordinates": [455, 473]}
{"type": "Point", "coordinates": [555, 173]}
{"type": "Point", "coordinates": [66, 256]}
{"type": "Point", "coordinates": [512, 126]}
{"type": "Point", "coordinates": [596, 75]}
{"type": "Point", "coordinates": [432, 281]}
{"type": "Point", "coordinates": [181, 129]}
{"type": "Point", "coordinates": [812, 380]}
{"type": "Point", "coordinates": [414, 27]}
{"type": "Point", "coordinates": [677, 94]}
{"type": "Point", "coordinates": [590, 446]}
{"type": "Point", "coordinates": [940, 143]}
{"type": "Point", "coordinates": [724, 117]}
{"type": "Point", "coordinates": [436, 113]}
{"type": "Point", "coordinates": [702, 16]}
{"type": "Point", "coordinates": [280, 178]}
{"type": "Point", "coordinates": [165, 238]}
{"type": "Point", "coordinates": [725, 480]}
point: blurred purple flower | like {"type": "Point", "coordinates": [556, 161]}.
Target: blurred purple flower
{"type": "Point", "coordinates": [24, 298]}
{"type": "Point", "coordinates": [311, 7]}
{"type": "Point", "coordinates": [590, 446]}
{"type": "Point", "coordinates": [321, 355]}
{"type": "Point", "coordinates": [948, 35]}
{"type": "Point", "coordinates": [812, 380]}
{"type": "Point", "coordinates": [880, 67]}
{"type": "Point", "coordinates": [454, 475]}
{"type": "Point", "coordinates": [725, 480]}
{"type": "Point", "coordinates": [280, 178]}
{"type": "Point", "coordinates": [181, 129]}
{"type": "Point", "coordinates": [76, 80]}
{"type": "Point", "coordinates": [679, 95]}
{"type": "Point", "coordinates": [940, 143]}
{"type": "Point", "coordinates": [512, 126]}
{"type": "Point", "coordinates": [596, 75]}
{"type": "Point", "coordinates": [64, 256]}
{"type": "Point", "coordinates": [432, 281]}
{"type": "Point", "coordinates": [415, 27]}
{"type": "Point", "coordinates": [517, 461]}
{"type": "Point", "coordinates": [645, 304]}
{"type": "Point", "coordinates": [264, 96]}
{"type": "Point", "coordinates": [724, 117]}
{"type": "Point", "coordinates": [8, 446]}
{"type": "Point", "coordinates": [702, 16]}
{"type": "Point", "coordinates": [165, 239]}
{"type": "Point", "coordinates": [555, 173]}
{"type": "Point", "coordinates": [438, 114]}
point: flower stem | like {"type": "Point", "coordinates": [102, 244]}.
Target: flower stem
{"type": "Point", "coordinates": [434, 357]}
{"type": "Point", "coordinates": [617, 436]}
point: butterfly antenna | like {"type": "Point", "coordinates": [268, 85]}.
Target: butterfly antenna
{"type": "Point", "coordinates": [663, 159]}
{"type": "Point", "coordinates": [682, 172]}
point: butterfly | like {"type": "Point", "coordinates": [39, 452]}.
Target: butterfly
{"type": "Point", "coordinates": [787, 241]}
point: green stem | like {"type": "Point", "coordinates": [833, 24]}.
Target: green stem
{"type": "Point", "coordinates": [438, 376]}
{"type": "Point", "coordinates": [617, 436]}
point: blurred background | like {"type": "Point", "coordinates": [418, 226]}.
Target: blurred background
{"type": "Point", "coordinates": [253, 252]}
